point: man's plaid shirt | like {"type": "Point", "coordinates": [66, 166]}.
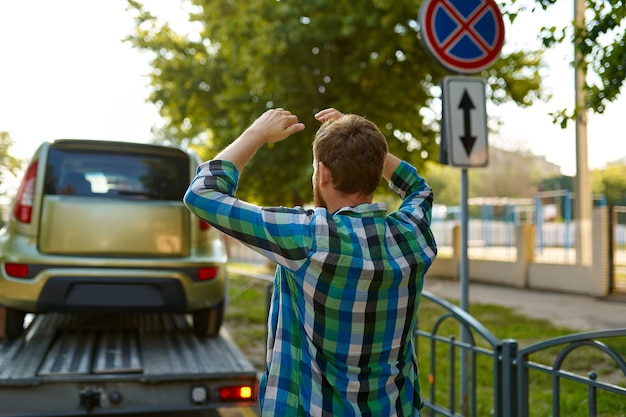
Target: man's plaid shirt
{"type": "Point", "coordinates": [346, 294]}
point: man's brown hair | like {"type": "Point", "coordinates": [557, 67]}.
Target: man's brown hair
{"type": "Point", "coordinates": [354, 150]}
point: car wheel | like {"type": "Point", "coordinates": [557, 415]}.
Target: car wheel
{"type": "Point", "coordinates": [207, 322]}
{"type": "Point", "coordinates": [14, 323]}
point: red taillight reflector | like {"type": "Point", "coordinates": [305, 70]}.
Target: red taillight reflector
{"type": "Point", "coordinates": [16, 270]}
{"type": "Point", "coordinates": [23, 213]}
{"type": "Point", "coordinates": [207, 274]}
{"type": "Point", "coordinates": [203, 225]}
{"type": "Point", "coordinates": [23, 208]}
{"type": "Point", "coordinates": [236, 393]}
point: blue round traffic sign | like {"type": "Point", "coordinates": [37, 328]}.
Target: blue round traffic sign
{"type": "Point", "coordinates": [463, 35]}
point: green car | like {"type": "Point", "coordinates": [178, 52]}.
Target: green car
{"type": "Point", "coordinates": [100, 227]}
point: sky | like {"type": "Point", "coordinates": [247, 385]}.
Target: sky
{"type": "Point", "coordinates": [66, 73]}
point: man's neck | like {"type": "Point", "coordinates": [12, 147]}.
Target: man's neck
{"type": "Point", "coordinates": [339, 200]}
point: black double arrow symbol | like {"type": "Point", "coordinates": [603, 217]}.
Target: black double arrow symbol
{"type": "Point", "coordinates": [467, 139]}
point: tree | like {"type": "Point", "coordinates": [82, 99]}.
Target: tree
{"type": "Point", "coordinates": [602, 43]}
{"type": "Point", "coordinates": [611, 183]}
{"type": "Point", "coordinates": [446, 184]}
{"type": "Point", "coordinates": [8, 162]}
{"type": "Point", "coordinates": [558, 182]}
{"type": "Point", "coordinates": [360, 57]}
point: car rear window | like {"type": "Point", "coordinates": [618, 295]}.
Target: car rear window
{"type": "Point", "coordinates": [128, 175]}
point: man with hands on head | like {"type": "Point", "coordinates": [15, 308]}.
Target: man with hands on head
{"type": "Point", "coordinates": [349, 277]}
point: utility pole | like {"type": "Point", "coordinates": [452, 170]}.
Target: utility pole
{"type": "Point", "coordinates": [584, 201]}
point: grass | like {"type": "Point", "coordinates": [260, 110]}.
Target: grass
{"type": "Point", "coordinates": [246, 314]}
{"type": "Point", "coordinates": [246, 321]}
{"type": "Point", "coordinates": [505, 323]}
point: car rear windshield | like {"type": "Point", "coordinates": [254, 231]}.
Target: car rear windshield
{"type": "Point", "coordinates": [129, 175]}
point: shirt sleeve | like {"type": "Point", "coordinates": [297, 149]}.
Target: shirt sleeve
{"type": "Point", "coordinates": [417, 197]}
{"type": "Point", "coordinates": [281, 234]}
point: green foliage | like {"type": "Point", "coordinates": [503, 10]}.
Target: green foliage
{"type": "Point", "coordinates": [611, 183]}
{"type": "Point", "coordinates": [446, 184]}
{"type": "Point", "coordinates": [8, 162]}
{"type": "Point", "coordinates": [363, 57]}
{"type": "Point", "coordinates": [560, 182]}
{"type": "Point", "coordinates": [602, 44]}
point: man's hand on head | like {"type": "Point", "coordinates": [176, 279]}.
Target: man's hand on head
{"type": "Point", "coordinates": [329, 114]}
{"type": "Point", "coordinates": [272, 126]}
{"type": "Point", "coordinates": [275, 125]}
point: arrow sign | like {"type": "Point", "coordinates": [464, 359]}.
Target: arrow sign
{"type": "Point", "coordinates": [468, 140]}
{"type": "Point", "coordinates": [465, 121]}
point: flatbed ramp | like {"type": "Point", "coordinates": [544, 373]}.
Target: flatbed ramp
{"type": "Point", "coordinates": [81, 364]}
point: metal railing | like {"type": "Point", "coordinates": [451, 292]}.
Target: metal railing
{"type": "Point", "coordinates": [516, 375]}
{"type": "Point", "coordinates": [568, 345]}
{"type": "Point", "coordinates": [460, 351]}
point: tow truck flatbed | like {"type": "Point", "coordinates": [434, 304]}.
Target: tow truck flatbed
{"type": "Point", "coordinates": [93, 364]}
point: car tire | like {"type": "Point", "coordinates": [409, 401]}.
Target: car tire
{"type": "Point", "coordinates": [207, 322]}
{"type": "Point", "coordinates": [14, 323]}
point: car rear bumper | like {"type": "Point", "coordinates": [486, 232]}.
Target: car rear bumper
{"type": "Point", "coordinates": [105, 295]}
{"type": "Point", "coordinates": [162, 288]}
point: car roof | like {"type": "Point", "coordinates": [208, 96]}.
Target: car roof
{"type": "Point", "coordinates": [123, 146]}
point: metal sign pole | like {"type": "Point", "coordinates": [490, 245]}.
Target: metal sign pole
{"type": "Point", "coordinates": [464, 264]}
{"type": "Point", "coordinates": [450, 31]}
{"type": "Point", "coordinates": [464, 293]}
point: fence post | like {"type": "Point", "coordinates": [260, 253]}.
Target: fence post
{"type": "Point", "coordinates": [539, 222]}
{"type": "Point", "coordinates": [456, 243]}
{"type": "Point", "coordinates": [508, 379]}
{"type": "Point", "coordinates": [525, 245]}
{"type": "Point", "coordinates": [567, 219]}
{"type": "Point", "coordinates": [612, 222]}
{"type": "Point", "coordinates": [600, 283]}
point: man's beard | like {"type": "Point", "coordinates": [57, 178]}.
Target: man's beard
{"type": "Point", "coordinates": [318, 199]}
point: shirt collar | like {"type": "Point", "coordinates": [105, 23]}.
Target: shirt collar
{"type": "Point", "coordinates": [364, 210]}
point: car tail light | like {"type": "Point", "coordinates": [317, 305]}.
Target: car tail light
{"type": "Point", "coordinates": [203, 225]}
{"type": "Point", "coordinates": [23, 206]}
{"type": "Point", "coordinates": [16, 270]}
{"type": "Point", "coordinates": [207, 274]}
{"type": "Point", "coordinates": [235, 393]}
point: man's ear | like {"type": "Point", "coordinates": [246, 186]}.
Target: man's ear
{"type": "Point", "coordinates": [324, 174]}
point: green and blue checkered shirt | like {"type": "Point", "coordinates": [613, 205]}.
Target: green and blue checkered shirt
{"type": "Point", "coordinates": [346, 294]}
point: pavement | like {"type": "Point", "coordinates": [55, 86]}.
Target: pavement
{"type": "Point", "coordinates": [573, 311]}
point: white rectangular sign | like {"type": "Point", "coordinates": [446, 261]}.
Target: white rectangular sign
{"type": "Point", "coordinates": [465, 121]}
